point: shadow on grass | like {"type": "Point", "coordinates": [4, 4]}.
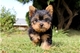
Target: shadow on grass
{"type": "Point", "coordinates": [74, 33]}
{"type": "Point", "coordinates": [57, 44]}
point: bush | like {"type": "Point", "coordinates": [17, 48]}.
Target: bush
{"type": "Point", "coordinates": [27, 18]}
{"type": "Point", "coordinates": [6, 20]}
{"type": "Point", "coordinates": [59, 33]}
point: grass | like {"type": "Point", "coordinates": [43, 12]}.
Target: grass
{"type": "Point", "coordinates": [20, 43]}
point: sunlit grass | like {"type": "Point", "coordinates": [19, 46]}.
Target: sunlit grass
{"type": "Point", "coordinates": [20, 43]}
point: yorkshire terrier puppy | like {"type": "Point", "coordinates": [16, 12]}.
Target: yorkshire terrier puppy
{"type": "Point", "coordinates": [40, 30]}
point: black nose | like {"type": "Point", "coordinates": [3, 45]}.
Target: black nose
{"type": "Point", "coordinates": [41, 24]}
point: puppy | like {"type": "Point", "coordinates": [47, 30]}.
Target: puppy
{"type": "Point", "coordinates": [40, 30]}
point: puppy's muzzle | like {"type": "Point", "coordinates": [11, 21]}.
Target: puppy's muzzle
{"type": "Point", "coordinates": [41, 24]}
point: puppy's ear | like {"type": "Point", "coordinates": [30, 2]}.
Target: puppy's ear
{"type": "Point", "coordinates": [31, 10]}
{"type": "Point", "coordinates": [49, 8]}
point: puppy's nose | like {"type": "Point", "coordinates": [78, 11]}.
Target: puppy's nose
{"type": "Point", "coordinates": [41, 24]}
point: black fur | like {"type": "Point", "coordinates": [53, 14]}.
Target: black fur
{"type": "Point", "coordinates": [41, 13]}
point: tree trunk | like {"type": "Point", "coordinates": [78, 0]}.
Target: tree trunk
{"type": "Point", "coordinates": [70, 15]}
{"type": "Point", "coordinates": [69, 23]}
{"type": "Point", "coordinates": [59, 12]}
{"type": "Point", "coordinates": [60, 19]}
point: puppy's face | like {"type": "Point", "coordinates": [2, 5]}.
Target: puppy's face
{"type": "Point", "coordinates": [41, 19]}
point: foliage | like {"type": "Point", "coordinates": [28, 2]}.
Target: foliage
{"type": "Point", "coordinates": [77, 4]}
{"type": "Point", "coordinates": [48, 2]}
{"type": "Point", "coordinates": [6, 20]}
{"type": "Point", "coordinates": [59, 33]}
{"type": "Point", "coordinates": [27, 18]}
{"type": "Point", "coordinates": [23, 1]}
{"type": "Point", "coordinates": [36, 4]}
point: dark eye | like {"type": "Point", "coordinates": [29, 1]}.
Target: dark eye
{"type": "Point", "coordinates": [47, 19]}
{"type": "Point", "coordinates": [35, 20]}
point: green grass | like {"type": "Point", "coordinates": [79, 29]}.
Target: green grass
{"type": "Point", "coordinates": [20, 43]}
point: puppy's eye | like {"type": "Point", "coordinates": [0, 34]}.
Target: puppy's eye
{"type": "Point", "coordinates": [47, 19]}
{"type": "Point", "coordinates": [35, 20]}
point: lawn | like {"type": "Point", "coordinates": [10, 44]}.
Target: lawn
{"type": "Point", "coordinates": [20, 43]}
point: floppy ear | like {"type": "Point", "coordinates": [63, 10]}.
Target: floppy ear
{"type": "Point", "coordinates": [31, 10]}
{"type": "Point", "coordinates": [50, 9]}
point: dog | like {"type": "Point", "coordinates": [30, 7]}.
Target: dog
{"type": "Point", "coordinates": [40, 30]}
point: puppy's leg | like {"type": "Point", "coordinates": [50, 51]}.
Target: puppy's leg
{"type": "Point", "coordinates": [35, 38]}
{"type": "Point", "coordinates": [46, 42]}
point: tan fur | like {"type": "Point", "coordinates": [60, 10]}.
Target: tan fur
{"type": "Point", "coordinates": [44, 37]}
{"type": "Point", "coordinates": [31, 10]}
{"type": "Point", "coordinates": [50, 9]}
{"type": "Point", "coordinates": [47, 25]}
{"type": "Point", "coordinates": [37, 16]}
{"type": "Point", "coordinates": [35, 38]}
{"type": "Point", "coordinates": [46, 16]}
{"type": "Point", "coordinates": [45, 46]}
{"type": "Point", "coordinates": [37, 28]}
